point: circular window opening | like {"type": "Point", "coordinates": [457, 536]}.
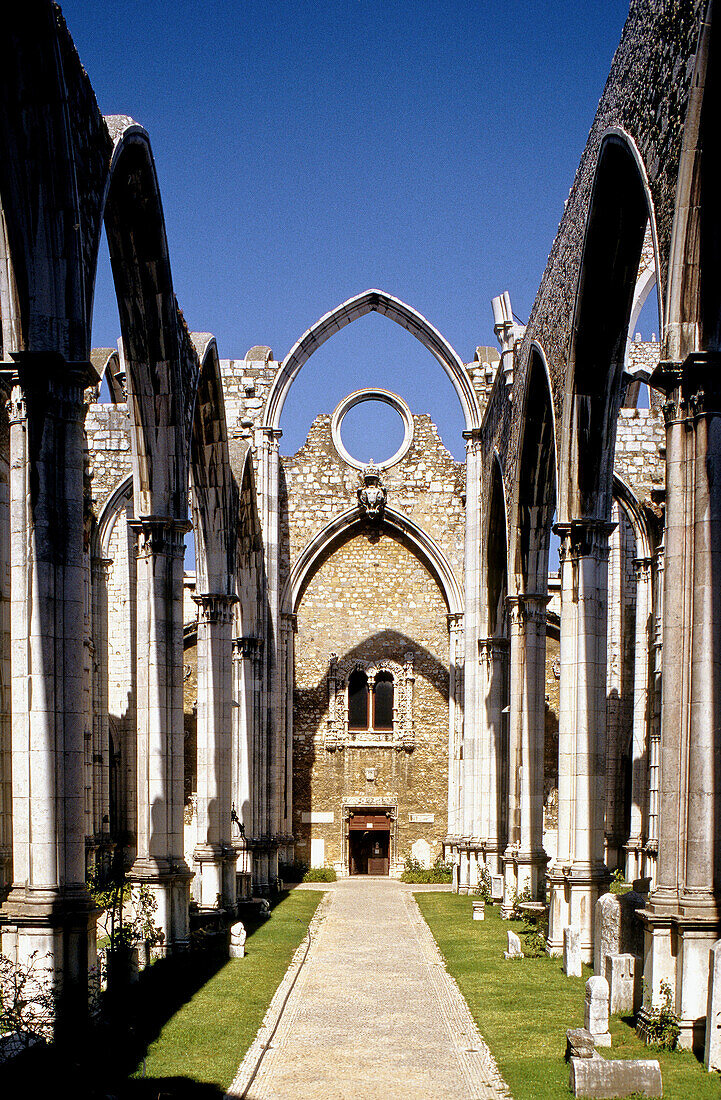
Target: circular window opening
{"type": "Point", "coordinates": [372, 431]}
{"type": "Point", "coordinates": [372, 425]}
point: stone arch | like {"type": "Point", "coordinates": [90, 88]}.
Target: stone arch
{"type": "Point", "coordinates": [140, 263]}
{"type": "Point", "coordinates": [404, 315]}
{"type": "Point", "coordinates": [213, 488]}
{"type": "Point", "coordinates": [43, 215]}
{"type": "Point", "coordinates": [628, 500]}
{"type": "Point", "coordinates": [535, 495]}
{"type": "Point", "coordinates": [424, 547]}
{"type": "Point", "coordinates": [118, 499]}
{"type": "Point", "coordinates": [619, 211]}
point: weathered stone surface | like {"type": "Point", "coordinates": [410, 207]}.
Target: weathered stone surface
{"type": "Point", "coordinates": [620, 975]}
{"type": "Point", "coordinates": [579, 1043]}
{"type": "Point", "coordinates": [572, 965]}
{"type": "Point", "coordinates": [712, 1053]}
{"type": "Point", "coordinates": [596, 1011]}
{"type": "Point", "coordinates": [514, 947]}
{"type": "Point", "coordinates": [237, 940]}
{"type": "Point", "coordinates": [617, 929]}
{"type": "Point", "coordinates": [603, 1078]}
{"type": "Point", "coordinates": [479, 910]}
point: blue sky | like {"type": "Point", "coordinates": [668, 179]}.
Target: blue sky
{"type": "Point", "coordinates": [308, 151]}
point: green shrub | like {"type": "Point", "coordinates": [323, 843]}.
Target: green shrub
{"type": "Point", "coordinates": [660, 1022]}
{"type": "Point", "coordinates": [298, 871]}
{"type": "Point", "coordinates": [440, 873]}
{"type": "Point", "coordinates": [320, 874]}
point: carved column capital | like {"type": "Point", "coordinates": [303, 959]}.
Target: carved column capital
{"type": "Point", "coordinates": [247, 648]}
{"type": "Point", "coordinates": [528, 608]}
{"type": "Point", "coordinates": [493, 649]}
{"type": "Point", "coordinates": [159, 535]}
{"type": "Point", "coordinates": [48, 382]}
{"type": "Point", "coordinates": [581, 538]}
{"type": "Point", "coordinates": [215, 607]}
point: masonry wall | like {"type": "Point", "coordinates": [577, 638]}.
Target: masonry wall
{"type": "Point", "coordinates": [371, 598]}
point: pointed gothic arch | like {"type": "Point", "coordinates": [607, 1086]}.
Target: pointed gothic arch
{"type": "Point", "coordinates": [422, 545]}
{"type": "Point", "coordinates": [619, 211]}
{"type": "Point", "coordinates": [373, 301]}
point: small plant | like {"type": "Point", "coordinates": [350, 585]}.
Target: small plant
{"type": "Point", "coordinates": [518, 898]}
{"type": "Point", "coordinates": [320, 874]}
{"type": "Point", "coordinates": [298, 871]}
{"type": "Point", "coordinates": [618, 882]}
{"type": "Point", "coordinates": [440, 873]}
{"type": "Point", "coordinates": [659, 1025]}
{"type": "Point", "coordinates": [484, 888]}
{"type": "Point", "coordinates": [27, 1000]}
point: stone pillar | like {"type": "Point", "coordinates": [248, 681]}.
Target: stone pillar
{"type": "Point", "coordinates": [579, 874]}
{"type": "Point", "coordinates": [531, 859]}
{"type": "Point", "coordinates": [640, 743]}
{"type": "Point", "coordinates": [683, 918]}
{"type": "Point", "coordinates": [289, 626]}
{"type": "Point", "coordinates": [214, 858]}
{"type": "Point", "coordinates": [101, 743]}
{"type": "Point", "coordinates": [455, 719]}
{"type": "Point", "coordinates": [493, 683]}
{"type": "Point", "coordinates": [48, 910]}
{"type": "Point", "coordinates": [160, 862]}
{"type": "Point", "coordinates": [247, 766]}
{"type": "Point", "coordinates": [273, 750]}
{"type": "Point", "coordinates": [471, 771]}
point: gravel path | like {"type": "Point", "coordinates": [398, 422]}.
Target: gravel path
{"type": "Point", "coordinates": [368, 1012]}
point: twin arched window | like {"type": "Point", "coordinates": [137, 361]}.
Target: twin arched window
{"type": "Point", "coordinates": [370, 706]}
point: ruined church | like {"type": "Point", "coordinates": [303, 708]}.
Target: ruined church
{"type": "Point", "coordinates": [371, 662]}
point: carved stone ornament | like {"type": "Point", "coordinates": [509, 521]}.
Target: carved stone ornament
{"type": "Point", "coordinates": [373, 495]}
{"type": "Point", "coordinates": [337, 734]}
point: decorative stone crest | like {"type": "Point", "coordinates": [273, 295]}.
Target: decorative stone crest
{"type": "Point", "coordinates": [372, 495]}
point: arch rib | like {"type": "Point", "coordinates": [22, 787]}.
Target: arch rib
{"type": "Point", "coordinates": [424, 546]}
{"type": "Point", "coordinates": [371, 301]}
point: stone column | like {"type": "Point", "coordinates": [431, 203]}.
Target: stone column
{"type": "Point", "coordinates": [683, 918]}
{"type": "Point", "coordinates": [640, 745]}
{"type": "Point", "coordinates": [247, 653]}
{"type": "Point", "coordinates": [214, 858]}
{"type": "Point", "coordinates": [160, 863]}
{"type": "Point", "coordinates": [654, 747]}
{"type": "Point", "coordinates": [531, 858]}
{"type": "Point", "coordinates": [273, 753]}
{"type": "Point", "coordinates": [579, 874]}
{"type": "Point", "coordinates": [471, 775]}
{"type": "Point", "coordinates": [511, 884]}
{"type": "Point", "coordinates": [101, 743]}
{"type": "Point", "coordinates": [455, 719]}
{"type": "Point", "coordinates": [48, 910]}
{"type": "Point", "coordinates": [493, 658]}
{"type": "Point", "coordinates": [290, 627]}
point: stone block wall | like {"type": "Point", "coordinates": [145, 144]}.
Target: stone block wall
{"type": "Point", "coordinates": [371, 599]}
{"type": "Point", "coordinates": [427, 485]}
{"type": "Point", "coordinates": [641, 452]}
{"type": "Point", "coordinates": [107, 428]}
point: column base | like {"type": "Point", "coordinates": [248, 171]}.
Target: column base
{"type": "Point", "coordinates": [214, 882]}
{"type": "Point", "coordinates": [573, 892]}
{"type": "Point", "coordinates": [52, 931]}
{"type": "Point", "coordinates": [169, 884]}
{"type": "Point", "coordinates": [676, 952]}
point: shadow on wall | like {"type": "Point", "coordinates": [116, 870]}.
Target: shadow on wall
{"type": "Point", "coordinates": [310, 707]}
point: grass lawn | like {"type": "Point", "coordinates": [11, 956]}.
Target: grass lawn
{"type": "Point", "coordinates": [190, 1019]}
{"type": "Point", "coordinates": [523, 1008]}
{"type": "Point", "coordinates": [206, 1039]}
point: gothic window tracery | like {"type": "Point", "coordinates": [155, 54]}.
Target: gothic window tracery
{"type": "Point", "coordinates": [370, 703]}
